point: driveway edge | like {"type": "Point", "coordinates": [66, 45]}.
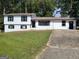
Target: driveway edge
{"type": "Point", "coordinates": [47, 45]}
{"type": "Point", "coordinates": [51, 36]}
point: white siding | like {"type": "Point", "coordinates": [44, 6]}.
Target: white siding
{"type": "Point", "coordinates": [17, 23]}
{"type": "Point", "coordinates": [16, 28]}
{"type": "Point", "coordinates": [56, 24]}
{"type": "Point", "coordinates": [42, 27]}
{"type": "Point", "coordinates": [17, 20]}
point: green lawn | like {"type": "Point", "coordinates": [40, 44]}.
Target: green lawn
{"type": "Point", "coordinates": [23, 45]}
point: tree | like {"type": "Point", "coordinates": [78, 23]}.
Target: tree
{"type": "Point", "coordinates": [46, 7]}
{"type": "Point", "coordinates": [69, 7]}
{"type": "Point", "coordinates": [40, 7]}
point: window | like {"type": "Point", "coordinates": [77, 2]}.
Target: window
{"type": "Point", "coordinates": [44, 23]}
{"type": "Point", "coordinates": [11, 26]}
{"type": "Point", "coordinates": [23, 18]}
{"type": "Point", "coordinates": [23, 26]}
{"type": "Point", "coordinates": [77, 23]}
{"type": "Point", "coordinates": [10, 18]}
{"type": "Point", "coordinates": [63, 23]}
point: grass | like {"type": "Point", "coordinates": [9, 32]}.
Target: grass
{"type": "Point", "coordinates": [23, 45]}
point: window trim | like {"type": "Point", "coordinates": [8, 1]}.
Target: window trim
{"type": "Point", "coordinates": [22, 27]}
{"type": "Point", "coordinates": [44, 23]}
{"type": "Point", "coordinates": [10, 18]}
{"type": "Point", "coordinates": [11, 27]}
{"type": "Point", "coordinates": [63, 23]}
{"type": "Point", "coordinates": [23, 18]}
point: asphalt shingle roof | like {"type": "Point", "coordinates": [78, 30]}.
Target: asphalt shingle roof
{"type": "Point", "coordinates": [53, 18]}
{"type": "Point", "coordinates": [20, 14]}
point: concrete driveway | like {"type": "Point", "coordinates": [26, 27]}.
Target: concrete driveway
{"type": "Point", "coordinates": [63, 44]}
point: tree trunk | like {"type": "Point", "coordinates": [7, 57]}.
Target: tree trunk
{"type": "Point", "coordinates": [26, 6]}
{"type": "Point", "coordinates": [4, 11]}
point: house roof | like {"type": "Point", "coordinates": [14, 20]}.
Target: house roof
{"type": "Point", "coordinates": [53, 18]}
{"type": "Point", "coordinates": [20, 14]}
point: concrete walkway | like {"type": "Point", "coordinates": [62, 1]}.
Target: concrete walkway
{"type": "Point", "coordinates": [63, 44]}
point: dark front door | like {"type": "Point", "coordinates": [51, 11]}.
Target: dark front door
{"type": "Point", "coordinates": [77, 24]}
{"type": "Point", "coordinates": [71, 25]}
{"type": "Point", "coordinates": [33, 23]}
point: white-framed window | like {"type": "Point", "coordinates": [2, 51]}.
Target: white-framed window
{"type": "Point", "coordinates": [11, 26]}
{"type": "Point", "coordinates": [63, 23]}
{"type": "Point", "coordinates": [23, 18]}
{"type": "Point", "coordinates": [44, 23]}
{"type": "Point", "coordinates": [23, 26]}
{"type": "Point", "coordinates": [10, 18]}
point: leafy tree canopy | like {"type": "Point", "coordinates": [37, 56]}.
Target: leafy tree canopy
{"type": "Point", "coordinates": [69, 7]}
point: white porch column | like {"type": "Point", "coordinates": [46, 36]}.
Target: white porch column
{"type": "Point", "coordinates": [36, 23]}
{"type": "Point", "coordinates": [51, 24]}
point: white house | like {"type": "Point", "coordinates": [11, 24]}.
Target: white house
{"type": "Point", "coordinates": [28, 21]}
{"type": "Point", "coordinates": [54, 23]}
{"type": "Point", "coordinates": [17, 21]}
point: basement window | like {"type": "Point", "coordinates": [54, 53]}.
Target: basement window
{"type": "Point", "coordinates": [11, 26]}
{"type": "Point", "coordinates": [23, 26]}
{"type": "Point", "coordinates": [63, 23]}
{"type": "Point", "coordinates": [44, 23]}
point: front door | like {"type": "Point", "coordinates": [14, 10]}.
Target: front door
{"type": "Point", "coordinates": [71, 25]}
{"type": "Point", "coordinates": [77, 24]}
{"type": "Point", "coordinates": [33, 23]}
